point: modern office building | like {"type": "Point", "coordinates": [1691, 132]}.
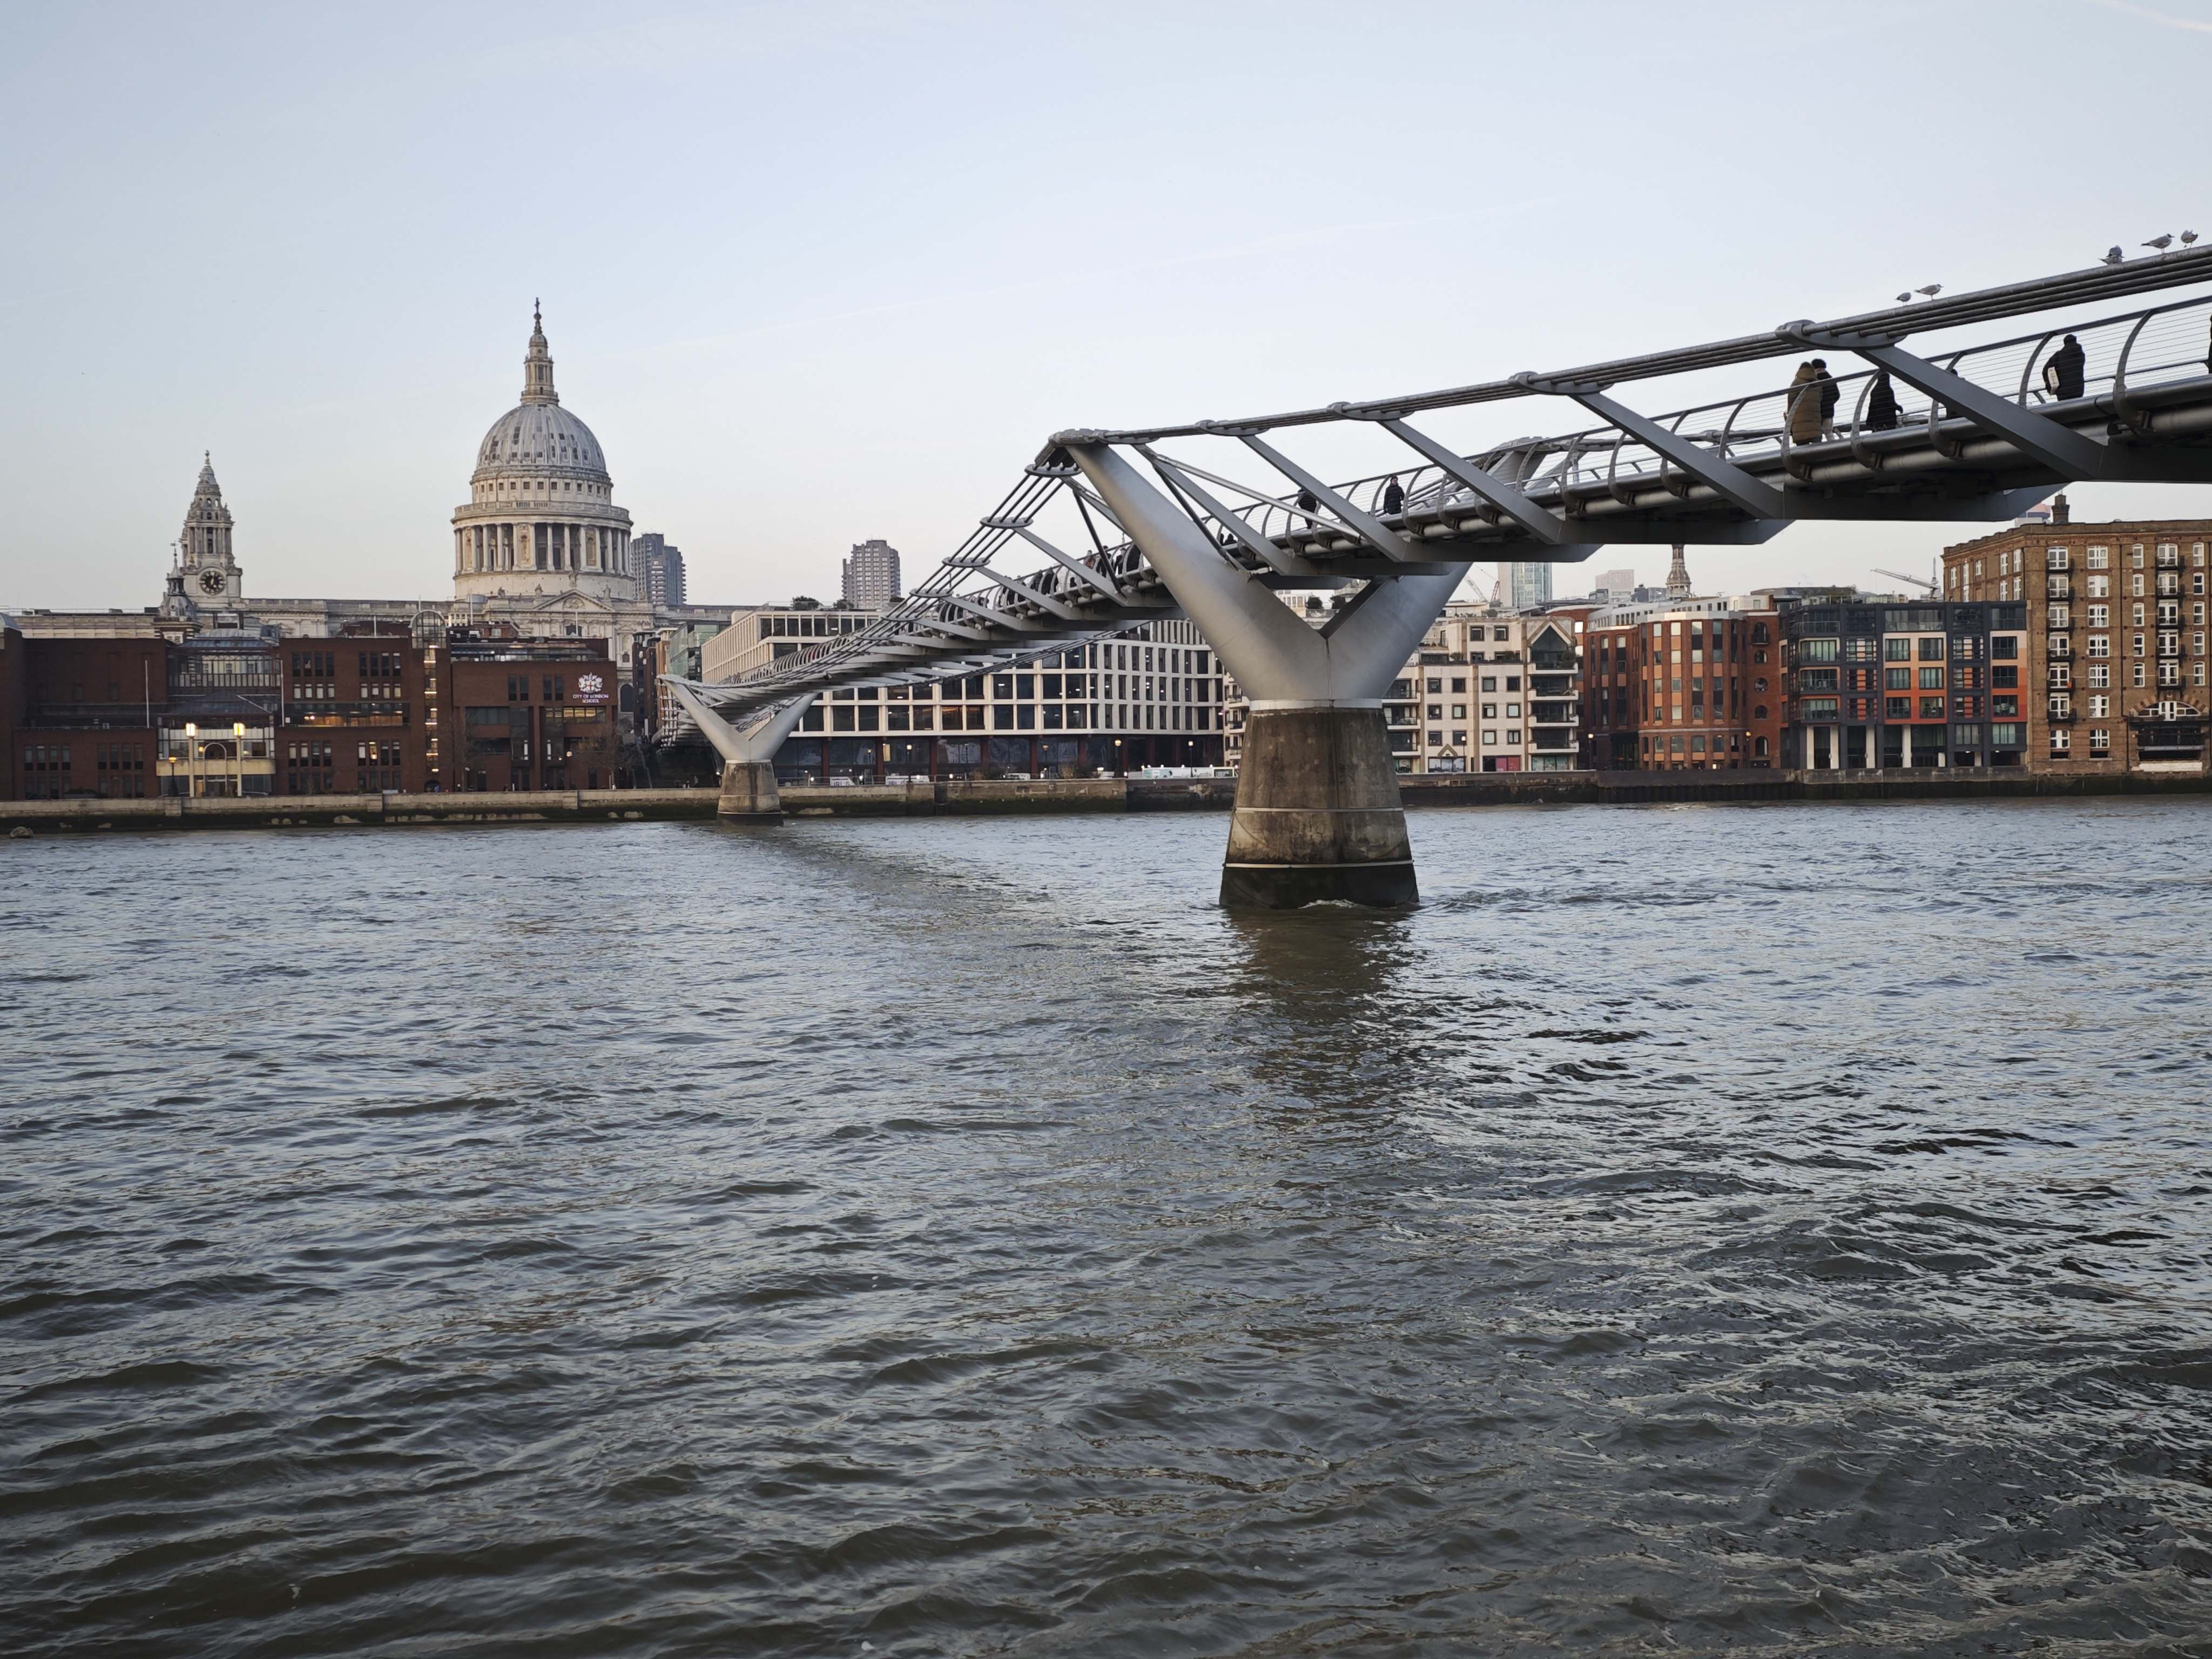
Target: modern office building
{"type": "Point", "coordinates": [1154, 697]}
{"type": "Point", "coordinates": [1524, 586]}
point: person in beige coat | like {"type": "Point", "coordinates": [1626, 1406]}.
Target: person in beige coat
{"type": "Point", "coordinates": [1805, 405]}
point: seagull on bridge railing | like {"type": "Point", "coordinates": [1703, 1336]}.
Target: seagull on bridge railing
{"type": "Point", "coordinates": [2187, 237]}
{"type": "Point", "coordinates": [2113, 255]}
{"type": "Point", "coordinates": [1931, 291]}
{"type": "Point", "coordinates": [2162, 243]}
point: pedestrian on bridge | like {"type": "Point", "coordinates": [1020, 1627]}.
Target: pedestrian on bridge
{"type": "Point", "coordinates": [1830, 391]}
{"type": "Point", "coordinates": [1804, 405]}
{"type": "Point", "coordinates": [1308, 504]}
{"type": "Point", "coordinates": [2063, 374]}
{"type": "Point", "coordinates": [1881, 404]}
{"type": "Point", "coordinates": [1394, 497]}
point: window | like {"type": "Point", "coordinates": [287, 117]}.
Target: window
{"type": "Point", "coordinates": [2100, 740]}
{"type": "Point", "coordinates": [1460, 685]}
{"type": "Point", "coordinates": [1897, 649]}
{"type": "Point", "coordinates": [2061, 740]}
{"type": "Point", "coordinates": [1490, 681]}
{"type": "Point", "coordinates": [1490, 739]}
{"type": "Point", "coordinates": [1931, 679]}
{"type": "Point", "coordinates": [2101, 707]}
{"type": "Point", "coordinates": [1436, 684]}
{"type": "Point", "coordinates": [1816, 651]}
{"type": "Point", "coordinates": [1897, 680]}
{"type": "Point", "coordinates": [2100, 644]}
{"type": "Point", "coordinates": [1931, 708]}
{"type": "Point", "coordinates": [2004, 675]}
{"type": "Point", "coordinates": [1436, 711]}
{"type": "Point", "coordinates": [1896, 708]}
{"type": "Point", "coordinates": [2100, 673]}
{"type": "Point", "coordinates": [2055, 558]}
{"type": "Point", "coordinates": [1512, 711]}
{"type": "Point", "coordinates": [1459, 711]}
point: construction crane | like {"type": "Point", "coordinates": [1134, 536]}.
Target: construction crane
{"type": "Point", "coordinates": [1917, 581]}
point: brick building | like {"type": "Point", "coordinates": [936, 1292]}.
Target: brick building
{"type": "Point", "coordinates": [2114, 664]}
{"type": "Point", "coordinates": [1691, 684]}
{"type": "Point", "coordinates": [243, 711]}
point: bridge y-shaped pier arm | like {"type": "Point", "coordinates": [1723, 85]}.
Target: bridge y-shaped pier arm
{"type": "Point", "coordinates": [1317, 814]}
{"type": "Point", "coordinates": [1724, 477]}
{"type": "Point", "coordinates": [756, 742]}
{"type": "Point", "coordinates": [2064, 451]}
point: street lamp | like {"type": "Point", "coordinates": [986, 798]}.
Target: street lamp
{"type": "Point", "coordinates": [238, 759]}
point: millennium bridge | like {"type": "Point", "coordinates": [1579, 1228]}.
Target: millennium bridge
{"type": "Point", "coordinates": [1967, 428]}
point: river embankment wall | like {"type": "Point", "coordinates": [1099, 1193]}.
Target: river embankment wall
{"type": "Point", "coordinates": [1012, 796]}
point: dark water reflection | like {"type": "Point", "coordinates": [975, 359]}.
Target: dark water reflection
{"type": "Point", "coordinates": [1765, 1231]}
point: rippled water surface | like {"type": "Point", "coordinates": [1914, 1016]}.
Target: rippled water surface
{"type": "Point", "coordinates": [1764, 1230]}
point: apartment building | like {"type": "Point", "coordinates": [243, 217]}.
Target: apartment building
{"type": "Point", "coordinates": [1684, 684]}
{"type": "Point", "coordinates": [2113, 660]}
{"type": "Point", "coordinates": [1488, 690]}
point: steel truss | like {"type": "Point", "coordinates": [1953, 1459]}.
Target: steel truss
{"type": "Point", "coordinates": [1973, 432]}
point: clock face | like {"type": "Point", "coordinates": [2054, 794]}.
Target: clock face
{"type": "Point", "coordinates": [211, 581]}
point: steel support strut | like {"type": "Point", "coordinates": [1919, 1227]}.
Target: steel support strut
{"type": "Point", "coordinates": [749, 793]}
{"type": "Point", "coordinates": [1318, 818]}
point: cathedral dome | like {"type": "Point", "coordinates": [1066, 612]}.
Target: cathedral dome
{"type": "Point", "coordinates": [541, 518]}
{"type": "Point", "coordinates": [538, 438]}
{"type": "Point", "coordinates": [540, 441]}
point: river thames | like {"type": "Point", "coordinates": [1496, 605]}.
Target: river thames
{"type": "Point", "coordinates": [1760, 1230]}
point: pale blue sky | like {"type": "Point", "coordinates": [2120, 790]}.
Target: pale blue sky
{"type": "Point", "coordinates": [820, 272]}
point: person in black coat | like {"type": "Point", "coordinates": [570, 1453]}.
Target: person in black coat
{"type": "Point", "coordinates": [1829, 394]}
{"type": "Point", "coordinates": [2063, 374]}
{"type": "Point", "coordinates": [1881, 404]}
{"type": "Point", "coordinates": [1394, 497]}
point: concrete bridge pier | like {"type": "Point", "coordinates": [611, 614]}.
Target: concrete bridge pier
{"type": "Point", "coordinates": [749, 791]}
{"type": "Point", "coordinates": [1318, 815]}
{"type": "Point", "coordinates": [1318, 818]}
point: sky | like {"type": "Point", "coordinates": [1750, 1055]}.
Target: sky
{"type": "Point", "coordinates": [819, 272]}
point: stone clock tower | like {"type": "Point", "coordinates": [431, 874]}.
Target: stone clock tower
{"type": "Point", "coordinates": [206, 574]}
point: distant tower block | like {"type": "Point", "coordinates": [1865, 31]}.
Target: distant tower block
{"type": "Point", "coordinates": [659, 565]}
{"type": "Point", "coordinates": [1678, 576]}
{"type": "Point", "coordinates": [872, 575]}
{"type": "Point", "coordinates": [1527, 586]}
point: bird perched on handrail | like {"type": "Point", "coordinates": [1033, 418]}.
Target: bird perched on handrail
{"type": "Point", "coordinates": [2162, 243]}
{"type": "Point", "coordinates": [2113, 255]}
{"type": "Point", "coordinates": [2187, 237]}
{"type": "Point", "coordinates": [1931, 291]}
